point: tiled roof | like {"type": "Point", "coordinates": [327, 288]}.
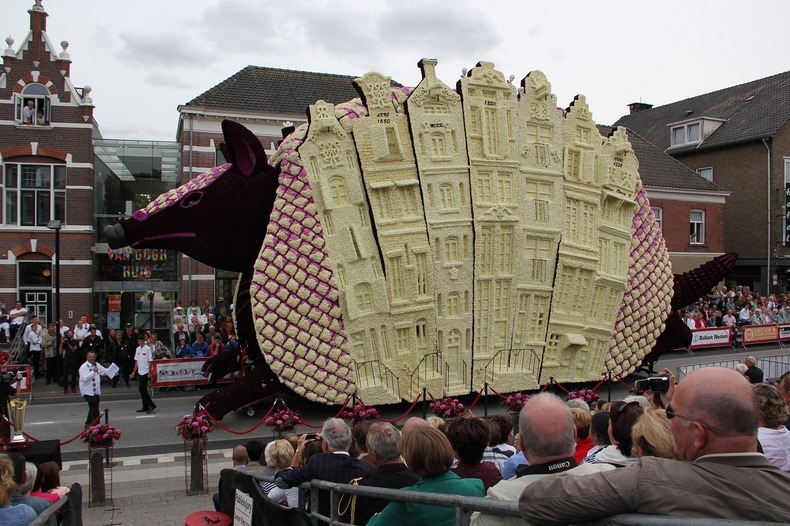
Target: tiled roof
{"type": "Point", "coordinates": [270, 90]}
{"type": "Point", "coordinates": [751, 111]}
{"type": "Point", "coordinates": [660, 170]}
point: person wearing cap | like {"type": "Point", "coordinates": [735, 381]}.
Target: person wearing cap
{"type": "Point", "coordinates": [218, 306]}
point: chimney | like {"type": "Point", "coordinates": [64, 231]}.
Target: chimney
{"type": "Point", "coordinates": [636, 107]}
{"type": "Point", "coordinates": [38, 25]}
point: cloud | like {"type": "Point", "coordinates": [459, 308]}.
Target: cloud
{"type": "Point", "coordinates": [163, 49]}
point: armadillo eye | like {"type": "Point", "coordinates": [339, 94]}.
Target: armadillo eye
{"type": "Point", "coordinates": [192, 199]}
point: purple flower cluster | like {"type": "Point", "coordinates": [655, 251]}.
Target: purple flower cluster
{"type": "Point", "coordinates": [447, 407]}
{"type": "Point", "coordinates": [360, 412]}
{"type": "Point", "coordinates": [588, 395]}
{"type": "Point", "coordinates": [283, 420]}
{"type": "Point", "coordinates": [100, 434]}
{"type": "Point", "coordinates": [194, 426]}
{"type": "Point", "coordinates": [516, 401]}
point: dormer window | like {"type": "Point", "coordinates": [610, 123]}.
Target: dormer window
{"type": "Point", "coordinates": [31, 107]}
{"type": "Point", "coordinates": [690, 133]}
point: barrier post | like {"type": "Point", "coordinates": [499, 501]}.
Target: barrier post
{"type": "Point", "coordinates": [485, 400]}
{"type": "Point", "coordinates": [424, 403]}
{"type": "Point", "coordinates": [551, 385]}
{"type": "Point", "coordinates": [609, 388]}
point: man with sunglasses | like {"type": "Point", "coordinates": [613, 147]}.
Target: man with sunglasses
{"type": "Point", "coordinates": [714, 418]}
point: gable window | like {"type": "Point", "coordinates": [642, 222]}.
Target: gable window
{"type": "Point", "coordinates": [706, 173]}
{"type": "Point", "coordinates": [31, 107]}
{"type": "Point", "coordinates": [697, 227]}
{"type": "Point", "coordinates": [658, 214]}
{"type": "Point", "coordinates": [34, 194]}
{"type": "Point", "coordinates": [690, 133]}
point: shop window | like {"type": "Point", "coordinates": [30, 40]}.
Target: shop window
{"type": "Point", "coordinates": [32, 107]}
{"type": "Point", "coordinates": [34, 194]}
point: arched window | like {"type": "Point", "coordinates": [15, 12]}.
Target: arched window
{"type": "Point", "coordinates": [32, 106]}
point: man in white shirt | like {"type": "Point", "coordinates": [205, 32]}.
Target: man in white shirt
{"type": "Point", "coordinates": [82, 330]}
{"type": "Point", "coordinates": [90, 385]}
{"type": "Point", "coordinates": [17, 317]}
{"type": "Point", "coordinates": [142, 366]}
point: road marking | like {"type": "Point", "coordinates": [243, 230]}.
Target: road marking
{"type": "Point", "coordinates": [39, 423]}
{"type": "Point", "coordinates": [146, 416]}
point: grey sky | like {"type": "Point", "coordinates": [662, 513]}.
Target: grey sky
{"type": "Point", "coordinates": [145, 57]}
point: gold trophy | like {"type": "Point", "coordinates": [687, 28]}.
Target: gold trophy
{"type": "Point", "coordinates": [17, 407]}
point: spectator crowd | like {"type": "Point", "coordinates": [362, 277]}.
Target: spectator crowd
{"type": "Point", "coordinates": [714, 445]}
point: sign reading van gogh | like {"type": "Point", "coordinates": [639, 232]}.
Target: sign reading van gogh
{"type": "Point", "coordinates": [129, 264]}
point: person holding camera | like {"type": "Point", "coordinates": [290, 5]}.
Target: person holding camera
{"type": "Point", "coordinates": [9, 387]}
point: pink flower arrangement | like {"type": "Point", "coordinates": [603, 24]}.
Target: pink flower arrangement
{"type": "Point", "coordinates": [516, 401]}
{"type": "Point", "coordinates": [587, 395]}
{"type": "Point", "coordinates": [283, 420]}
{"type": "Point", "coordinates": [194, 426]}
{"type": "Point", "coordinates": [447, 407]}
{"type": "Point", "coordinates": [360, 412]}
{"type": "Point", "coordinates": [100, 434]}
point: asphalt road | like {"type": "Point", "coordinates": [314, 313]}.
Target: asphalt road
{"type": "Point", "coordinates": [52, 415]}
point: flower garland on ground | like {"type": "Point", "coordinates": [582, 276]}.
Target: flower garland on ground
{"type": "Point", "coordinates": [360, 412]}
{"type": "Point", "coordinates": [516, 401]}
{"type": "Point", "coordinates": [194, 426]}
{"type": "Point", "coordinates": [447, 407]}
{"type": "Point", "coordinates": [283, 420]}
{"type": "Point", "coordinates": [100, 434]}
{"type": "Point", "coordinates": [586, 395]}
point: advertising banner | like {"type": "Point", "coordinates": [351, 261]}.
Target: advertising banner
{"type": "Point", "coordinates": [181, 371]}
{"type": "Point", "coordinates": [713, 337]}
{"type": "Point", "coordinates": [753, 334]}
{"type": "Point", "coordinates": [784, 331]}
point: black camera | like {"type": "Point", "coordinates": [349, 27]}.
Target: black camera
{"type": "Point", "coordinates": [12, 375]}
{"type": "Point", "coordinates": [658, 384]}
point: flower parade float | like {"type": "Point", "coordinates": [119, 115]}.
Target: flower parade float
{"type": "Point", "coordinates": [417, 238]}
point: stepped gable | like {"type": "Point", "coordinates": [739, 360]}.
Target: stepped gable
{"type": "Point", "coordinates": [659, 170]}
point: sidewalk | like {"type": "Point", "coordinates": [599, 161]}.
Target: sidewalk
{"type": "Point", "coordinates": [147, 490]}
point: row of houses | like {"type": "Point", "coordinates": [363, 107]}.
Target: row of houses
{"type": "Point", "coordinates": [716, 168]}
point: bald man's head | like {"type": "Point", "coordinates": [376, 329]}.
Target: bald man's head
{"type": "Point", "coordinates": [723, 398]}
{"type": "Point", "coordinates": [413, 422]}
{"type": "Point", "coordinates": [546, 429]}
{"type": "Point", "coordinates": [714, 410]}
{"type": "Point", "coordinates": [240, 456]}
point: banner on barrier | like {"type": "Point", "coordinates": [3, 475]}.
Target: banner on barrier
{"type": "Point", "coordinates": [180, 371]}
{"type": "Point", "coordinates": [713, 337]}
{"type": "Point", "coordinates": [26, 383]}
{"type": "Point", "coordinates": [753, 334]}
{"type": "Point", "coordinates": [784, 331]}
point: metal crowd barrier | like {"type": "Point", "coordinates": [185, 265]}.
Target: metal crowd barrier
{"type": "Point", "coordinates": [773, 366]}
{"type": "Point", "coordinates": [465, 506]}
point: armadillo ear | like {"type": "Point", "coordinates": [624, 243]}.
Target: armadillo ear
{"type": "Point", "coordinates": [243, 149]}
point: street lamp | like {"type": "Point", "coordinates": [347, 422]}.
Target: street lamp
{"type": "Point", "coordinates": [56, 225]}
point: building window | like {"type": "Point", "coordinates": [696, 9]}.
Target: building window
{"type": "Point", "coordinates": [690, 133]}
{"type": "Point", "coordinates": [446, 196]}
{"type": "Point", "coordinates": [364, 297]}
{"type": "Point", "coordinates": [697, 231]}
{"type": "Point", "coordinates": [706, 173]}
{"type": "Point", "coordinates": [31, 107]}
{"type": "Point", "coordinates": [34, 194]}
{"type": "Point", "coordinates": [658, 213]}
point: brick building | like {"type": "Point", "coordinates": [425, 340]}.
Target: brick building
{"type": "Point", "coordinates": [676, 193]}
{"type": "Point", "coordinates": [46, 158]}
{"type": "Point", "coordinates": [738, 138]}
{"type": "Point", "coordinates": [264, 100]}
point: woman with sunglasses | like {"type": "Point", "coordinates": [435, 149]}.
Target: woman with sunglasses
{"type": "Point", "coordinates": [622, 417]}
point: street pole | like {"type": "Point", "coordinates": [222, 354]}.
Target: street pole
{"type": "Point", "coordinates": [56, 225]}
